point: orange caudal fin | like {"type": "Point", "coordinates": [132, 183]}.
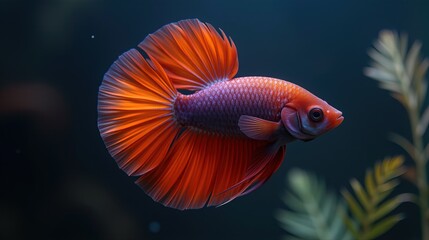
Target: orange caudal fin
{"type": "Point", "coordinates": [135, 106]}
{"type": "Point", "coordinates": [192, 53]}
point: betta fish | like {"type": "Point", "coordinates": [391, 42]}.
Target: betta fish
{"type": "Point", "coordinates": [172, 113]}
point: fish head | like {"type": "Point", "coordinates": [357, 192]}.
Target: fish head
{"type": "Point", "coordinates": [308, 116]}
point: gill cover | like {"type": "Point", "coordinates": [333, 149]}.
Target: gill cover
{"type": "Point", "coordinates": [292, 122]}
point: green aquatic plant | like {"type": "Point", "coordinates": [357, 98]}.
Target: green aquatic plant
{"type": "Point", "coordinates": [315, 213]}
{"type": "Point", "coordinates": [370, 205]}
{"type": "Point", "coordinates": [402, 72]}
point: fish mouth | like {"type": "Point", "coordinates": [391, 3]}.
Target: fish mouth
{"type": "Point", "coordinates": [338, 120]}
{"type": "Point", "coordinates": [335, 122]}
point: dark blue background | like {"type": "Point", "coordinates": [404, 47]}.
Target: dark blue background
{"type": "Point", "coordinates": [58, 180]}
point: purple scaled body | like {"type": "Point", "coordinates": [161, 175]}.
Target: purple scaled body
{"type": "Point", "coordinates": [217, 108]}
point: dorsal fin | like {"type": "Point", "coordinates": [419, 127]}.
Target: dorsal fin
{"type": "Point", "coordinates": [193, 54]}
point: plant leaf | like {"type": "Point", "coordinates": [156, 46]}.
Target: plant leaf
{"type": "Point", "coordinates": [351, 226]}
{"type": "Point", "coordinates": [379, 74]}
{"type": "Point", "coordinates": [337, 225]}
{"type": "Point", "coordinates": [361, 194]}
{"type": "Point", "coordinates": [369, 183]}
{"type": "Point", "coordinates": [412, 58]}
{"type": "Point", "coordinates": [383, 226]}
{"type": "Point", "coordinates": [373, 220]}
{"type": "Point", "coordinates": [355, 208]}
{"type": "Point", "coordinates": [385, 208]}
{"type": "Point", "coordinates": [404, 143]}
{"type": "Point", "coordinates": [424, 121]}
{"type": "Point", "coordinates": [297, 224]}
{"type": "Point", "coordinates": [399, 70]}
{"type": "Point", "coordinates": [383, 61]}
{"type": "Point", "coordinates": [313, 210]}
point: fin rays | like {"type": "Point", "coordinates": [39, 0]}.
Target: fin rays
{"type": "Point", "coordinates": [202, 170]}
{"type": "Point", "coordinates": [180, 168]}
{"type": "Point", "coordinates": [131, 85]}
{"type": "Point", "coordinates": [192, 53]}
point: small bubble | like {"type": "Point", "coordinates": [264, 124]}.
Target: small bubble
{"type": "Point", "coordinates": [92, 36]}
{"type": "Point", "coordinates": [154, 227]}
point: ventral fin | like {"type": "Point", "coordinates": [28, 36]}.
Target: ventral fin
{"type": "Point", "coordinates": [257, 128]}
{"type": "Point", "coordinates": [193, 54]}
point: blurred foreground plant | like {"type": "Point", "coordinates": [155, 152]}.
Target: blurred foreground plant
{"type": "Point", "coordinates": [370, 207]}
{"type": "Point", "coordinates": [402, 72]}
{"type": "Point", "coordinates": [316, 213]}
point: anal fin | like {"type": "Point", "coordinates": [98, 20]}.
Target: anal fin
{"type": "Point", "coordinates": [201, 170]}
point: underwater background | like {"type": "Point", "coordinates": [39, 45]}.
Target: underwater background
{"type": "Point", "coordinates": [57, 180]}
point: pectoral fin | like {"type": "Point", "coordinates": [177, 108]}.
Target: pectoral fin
{"type": "Point", "coordinates": [257, 128]}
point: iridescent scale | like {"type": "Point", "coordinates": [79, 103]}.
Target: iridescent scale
{"type": "Point", "coordinates": [217, 109]}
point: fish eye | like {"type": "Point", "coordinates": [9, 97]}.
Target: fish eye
{"type": "Point", "coordinates": [316, 114]}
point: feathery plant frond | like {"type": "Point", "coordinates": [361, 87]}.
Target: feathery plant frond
{"type": "Point", "coordinates": [370, 206]}
{"type": "Point", "coordinates": [402, 72]}
{"type": "Point", "coordinates": [314, 212]}
{"type": "Point", "coordinates": [398, 70]}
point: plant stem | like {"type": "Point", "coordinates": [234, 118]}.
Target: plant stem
{"type": "Point", "coordinates": [420, 161]}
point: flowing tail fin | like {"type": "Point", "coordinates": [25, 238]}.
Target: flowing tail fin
{"type": "Point", "coordinates": [135, 106]}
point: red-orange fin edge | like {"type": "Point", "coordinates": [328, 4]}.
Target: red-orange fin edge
{"type": "Point", "coordinates": [192, 53]}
